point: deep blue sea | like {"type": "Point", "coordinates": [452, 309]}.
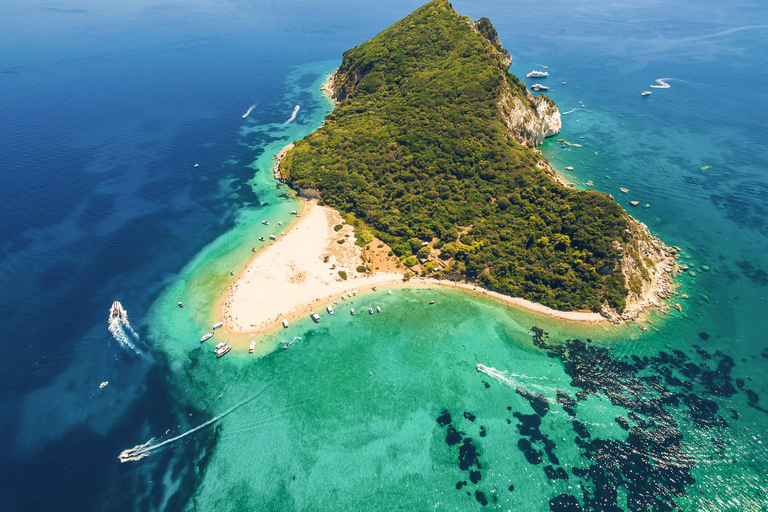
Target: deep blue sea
{"type": "Point", "coordinates": [124, 154]}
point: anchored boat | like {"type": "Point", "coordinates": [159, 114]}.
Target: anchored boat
{"type": "Point", "coordinates": [206, 337]}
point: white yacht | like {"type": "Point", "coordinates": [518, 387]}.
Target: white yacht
{"type": "Point", "coordinates": [217, 325]}
{"type": "Point", "coordinates": [206, 337]}
{"type": "Point", "coordinates": [539, 87]}
{"type": "Point", "coordinates": [538, 74]}
{"type": "Point", "coordinates": [329, 308]}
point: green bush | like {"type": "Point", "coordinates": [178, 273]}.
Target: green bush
{"type": "Point", "coordinates": [338, 227]}
{"type": "Point", "coordinates": [361, 269]}
{"type": "Point", "coordinates": [343, 275]}
{"type": "Point", "coordinates": [417, 149]}
{"type": "Point", "coordinates": [411, 261]}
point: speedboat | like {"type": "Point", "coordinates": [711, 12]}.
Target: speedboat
{"type": "Point", "coordinates": [645, 93]}
{"type": "Point", "coordinates": [261, 239]}
{"type": "Point", "coordinates": [116, 312]}
{"type": "Point", "coordinates": [206, 337]}
{"type": "Point", "coordinates": [285, 323]}
{"type": "Point", "coordinates": [265, 223]}
{"type": "Point", "coordinates": [539, 87]}
{"type": "Point", "coordinates": [370, 311]}
{"type": "Point", "coordinates": [351, 311]}
{"type": "Point", "coordinates": [329, 308]}
{"type": "Point", "coordinates": [181, 304]}
{"type": "Point", "coordinates": [252, 347]}
{"type": "Point", "coordinates": [103, 384]}
{"type": "Point", "coordinates": [315, 317]}
{"type": "Point", "coordinates": [431, 302]}
{"type": "Point", "coordinates": [538, 74]}
{"type": "Point", "coordinates": [280, 223]}
{"type": "Point", "coordinates": [378, 309]}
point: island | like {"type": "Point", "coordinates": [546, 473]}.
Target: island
{"type": "Point", "coordinates": [426, 172]}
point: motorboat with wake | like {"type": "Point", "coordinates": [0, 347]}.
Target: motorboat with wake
{"type": "Point", "coordinates": [117, 313]}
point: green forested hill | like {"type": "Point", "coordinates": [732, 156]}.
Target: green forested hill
{"type": "Point", "coordinates": [418, 150]}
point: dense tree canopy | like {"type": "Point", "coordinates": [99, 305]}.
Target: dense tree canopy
{"type": "Point", "coordinates": [417, 149]}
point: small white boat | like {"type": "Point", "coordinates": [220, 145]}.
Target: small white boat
{"type": "Point", "coordinates": [272, 237]}
{"type": "Point", "coordinates": [280, 223]}
{"type": "Point", "coordinates": [217, 325]}
{"type": "Point", "coordinates": [117, 313]}
{"type": "Point", "coordinates": [329, 308]}
{"type": "Point", "coordinates": [220, 345]}
{"type": "Point", "coordinates": [250, 109]}
{"type": "Point", "coordinates": [351, 311]}
{"type": "Point", "coordinates": [285, 323]}
{"type": "Point", "coordinates": [181, 304]}
{"type": "Point", "coordinates": [390, 292]}
{"type": "Point", "coordinates": [206, 337]}
{"type": "Point", "coordinates": [343, 297]}
{"type": "Point", "coordinates": [538, 74]}
{"type": "Point", "coordinates": [103, 384]}
{"type": "Point", "coordinates": [294, 212]}
{"type": "Point", "coordinates": [231, 272]}
{"type": "Point", "coordinates": [336, 302]}
{"type": "Point", "coordinates": [349, 295]}
{"type": "Point", "coordinates": [252, 347]}
{"type": "Point", "coordinates": [354, 293]}
{"type": "Point", "coordinates": [315, 317]}
{"type": "Point", "coordinates": [370, 311]}
{"type": "Point", "coordinates": [265, 223]}
{"type": "Point", "coordinates": [288, 345]}
{"type": "Point", "coordinates": [645, 93]}
{"type": "Point", "coordinates": [282, 234]}
{"type": "Point", "coordinates": [378, 309]}
{"type": "Point", "coordinates": [261, 239]}
{"type": "Point", "coordinates": [431, 302]}
{"type": "Point", "coordinates": [539, 87]}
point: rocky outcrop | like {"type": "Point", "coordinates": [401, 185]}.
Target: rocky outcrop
{"type": "Point", "coordinates": [485, 28]}
{"type": "Point", "coordinates": [529, 124]}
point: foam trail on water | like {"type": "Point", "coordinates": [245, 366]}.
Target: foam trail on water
{"type": "Point", "coordinates": [140, 451]}
{"type": "Point", "coordinates": [569, 112]}
{"type": "Point", "coordinates": [508, 378]}
{"type": "Point", "coordinates": [662, 83]}
{"type": "Point", "coordinates": [293, 115]}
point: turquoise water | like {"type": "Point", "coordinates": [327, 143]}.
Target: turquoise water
{"type": "Point", "coordinates": [355, 415]}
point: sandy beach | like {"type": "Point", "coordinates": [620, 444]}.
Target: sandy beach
{"type": "Point", "coordinates": [297, 272]}
{"type": "Point", "coordinates": [300, 272]}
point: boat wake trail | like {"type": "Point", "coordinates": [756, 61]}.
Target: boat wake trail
{"type": "Point", "coordinates": [121, 329]}
{"type": "Point", "coordinates": [508, 378]}
{"type": "Point", "coordinates": [569, 112]}
{"type": "Point", "coordinates": [140, 451]}
{"type": "Point", "coordinates": [662, 83]}
{"type": "Point", "coordinates": [293, 115]}
{"type": "Point", "coordinates": [250, 109]}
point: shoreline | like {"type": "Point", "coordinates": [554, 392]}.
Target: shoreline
{"type": "Point", "coordinates": [322, 293]}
